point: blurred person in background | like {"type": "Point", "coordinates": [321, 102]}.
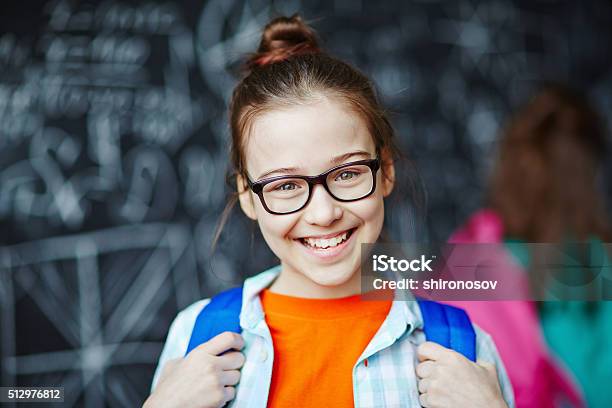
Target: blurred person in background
{"type": "Point", "coordinates": [544, 189]}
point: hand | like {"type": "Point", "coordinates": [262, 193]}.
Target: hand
{"type": "Point", "coordinates": [448, 379]}
{"type": "Point", "coordinates": [202, 379]}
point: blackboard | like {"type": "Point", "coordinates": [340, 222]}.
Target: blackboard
{"type": "Point", "coordinates": [113, 151]}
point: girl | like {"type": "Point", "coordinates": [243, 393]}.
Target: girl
{"type": "Point", "coordinates": [308, 339]}
{"type": "Point", "coordinates": [545, 189]}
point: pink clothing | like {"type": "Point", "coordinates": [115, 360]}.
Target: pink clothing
{"type": "Point", "coordinates": [537, 379]}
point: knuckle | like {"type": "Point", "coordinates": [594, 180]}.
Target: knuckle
{"type": "Point", "coordinates": [218, 396]}
{"type": "Point", "coordinates": [423, 347]}
{"type": "Point", "coordinates": [454, 357]}
{"type": "Point", "coordinates": [199, 351]}
{"type": "Point", "coordinates": [434, 400]}
{"type": "Point", "coordinates": [214, 381]}
{"type": "Point", "coordinates": [209, 364]}
{"type": "Point", "coordinates": [434, 385]}
{"type": "Point", "coordinates": [227, 337]}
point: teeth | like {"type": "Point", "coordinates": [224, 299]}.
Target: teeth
{"type": "Point", "coordinates": [326, 243]}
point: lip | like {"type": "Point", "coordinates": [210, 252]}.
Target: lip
{"type": "Point", "coordinates": [328, 235]}
{"type": "Point", "coordinates": [329, 255]}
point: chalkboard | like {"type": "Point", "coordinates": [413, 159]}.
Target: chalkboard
{"type": "Point", "coordinates": [113, 153]}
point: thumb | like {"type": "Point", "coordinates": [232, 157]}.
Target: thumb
{"type": "Point", "coordinates": [431, 351]}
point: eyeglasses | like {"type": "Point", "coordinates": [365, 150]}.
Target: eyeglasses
{"type": "Point", "coordinates": [288, 194]}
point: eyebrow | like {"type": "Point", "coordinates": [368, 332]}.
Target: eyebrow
{"type": "Point", "coordinates": [334, 162]}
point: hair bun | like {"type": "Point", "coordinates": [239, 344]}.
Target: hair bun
{"type": "Point", "coordinates": [282, 38]}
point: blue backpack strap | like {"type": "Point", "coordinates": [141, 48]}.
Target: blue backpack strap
{"type": "Point", "coordinates": [448, 326]}
{"type": "Point", "coordinates": [221, 314]}
{"type": "Point", "coordinates": [443, 324]}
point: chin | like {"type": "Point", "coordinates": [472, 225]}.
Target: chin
{"type": "Point", "coordinates": [331, 277]}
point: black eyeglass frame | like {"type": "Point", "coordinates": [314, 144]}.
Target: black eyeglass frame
{"type": "Point", "coordinates": [258, 186]}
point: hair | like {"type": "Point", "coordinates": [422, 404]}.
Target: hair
{"type": "Point", "coordinates": [290, 69]}
{"type": "Point", "coordinates": [545, 184]}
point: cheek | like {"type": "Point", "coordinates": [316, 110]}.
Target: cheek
{"type": "Point", "coordinates": [274, 227]}
{"type": "Point", "coordinates": [371, 212]}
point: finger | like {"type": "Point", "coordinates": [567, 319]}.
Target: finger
{"type": "Point", "coordinates": [424, 400]}
{"type": "Point", "coordinates": [222, 342]}
{"type": "Point", "coordinates": [424, 385]}
{"type": "Point", "coordinates": [230, 393]}
{"type": "Point", "coordinates": [230, 377]}
{"type": "Point", "coordinates": [425, 369]}
{"type": "Point", "coordinates": [431, 351]}
{"type": "Point", "coordinates": [231, 361]}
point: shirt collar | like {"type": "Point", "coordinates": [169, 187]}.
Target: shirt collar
{"type": "Point", "coordinates": [403, 318]}
{"type": "Point", "coordinates": [252, 311]}
{"type": "Point", "coordinates": [404, 315]}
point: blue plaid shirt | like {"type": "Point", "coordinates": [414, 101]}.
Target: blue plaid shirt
{"type": "Point", "coordinates": [389, 379]}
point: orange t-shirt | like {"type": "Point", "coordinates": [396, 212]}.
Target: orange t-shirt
{"type": "Point", "coordinates": [316, 344]}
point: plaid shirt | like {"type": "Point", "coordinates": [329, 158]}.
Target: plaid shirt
{"type": "Point", "coordinates": [389, 379]}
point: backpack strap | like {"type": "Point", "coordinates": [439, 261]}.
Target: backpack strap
{"type": "Point", "coordinates": [448, 326]}
{"type": "Point", "coordinates": [443, 324]}
{"type": "Point", "coordinates": [221, 314]}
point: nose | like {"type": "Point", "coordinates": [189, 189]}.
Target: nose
{"type": "Point", "coordinates": [322, 209]}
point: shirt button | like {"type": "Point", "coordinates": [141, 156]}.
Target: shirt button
{"type": "Point", "coordinates": [263, 355]}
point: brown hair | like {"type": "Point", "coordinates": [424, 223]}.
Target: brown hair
{"type": "Point", "coordinates": [545, 183]}
{"type": "Point", "coordinates": [289, 68]}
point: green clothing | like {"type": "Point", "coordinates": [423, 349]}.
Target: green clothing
{"type": "Point", "coordinates": [579, 333]}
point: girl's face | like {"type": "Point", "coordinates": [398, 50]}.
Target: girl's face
{"type": "Point", "coordinates": [308, 140]}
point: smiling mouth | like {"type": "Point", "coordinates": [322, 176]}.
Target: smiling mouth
{"type": "Point", "coordinates": [323, 244]}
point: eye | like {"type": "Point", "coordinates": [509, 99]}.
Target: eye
{"type": "Point", "coordinates": [289, 186]}
{"type": "Point", "coordinates": [347, 175]}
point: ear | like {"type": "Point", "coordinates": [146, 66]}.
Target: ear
{"type": "Point", "coordinates": [245, 197]}
{"type": "Point", "coordinates": [388, 174]}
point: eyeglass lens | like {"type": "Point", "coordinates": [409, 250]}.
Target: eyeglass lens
{"type": "Point", "coordinates": [347, 183]}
